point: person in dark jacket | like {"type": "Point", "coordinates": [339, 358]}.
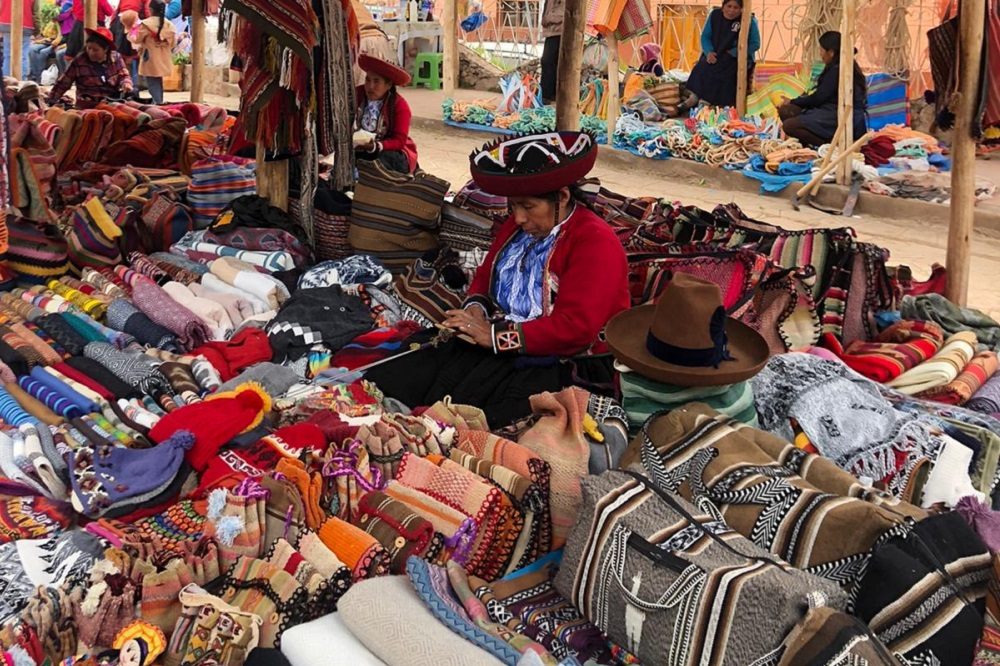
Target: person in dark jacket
{"type": "Point", "coordinates": [812, 118]}
{"type": "Point", "coordinates": [385, 116]}
{"type": "Point", "coordinates": [713, 79]}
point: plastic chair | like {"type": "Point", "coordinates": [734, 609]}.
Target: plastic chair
{"type": "Point", "coordinates": [428, 70]}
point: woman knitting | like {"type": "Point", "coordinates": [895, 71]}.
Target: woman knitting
{"type": "Point", "coordinates": [156, 39]}
{"type": "Point", "coordinates": [554, 276]}
{"type": "Point", "coordinates": [99, 72]}
{"type": "Point", "coordinates": [812, 118]}
{"type": "Point", "coordinates": [713, 79]}
{"type": "Point", "coordinates": [383, 125]}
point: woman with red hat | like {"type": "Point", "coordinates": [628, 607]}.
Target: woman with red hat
{"type": "Point", "coordinates": [383, 118]}
{"type": "Point", "coordinates": [99, 72]}
{"type": "Point", "coordinates": [536, 309]}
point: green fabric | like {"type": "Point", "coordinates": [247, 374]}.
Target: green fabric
{"type": "Point", "coordinates": [951, 318]}
{"type": "Point", "coordinates": [989, 457]}
{"type": "Point", "coordinates": [83, 328]}
{"type": "Point", "coordinates": [642, 397]}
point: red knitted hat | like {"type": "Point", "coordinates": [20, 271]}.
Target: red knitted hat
{"type": "Point", "coordinates": [215, 421]}
{"type": "Point", "coordinates": [104, 34]}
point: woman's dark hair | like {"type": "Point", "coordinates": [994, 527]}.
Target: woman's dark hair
{"type": "Point", "coordinates": [830, 41]}
{"type": "Point", "coordinates": [725, 2]}
{"type": "Point", "coordinates": [158, 9]}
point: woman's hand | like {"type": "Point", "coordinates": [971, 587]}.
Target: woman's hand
{"type": "Point", "coordinates": [712, 58]}
{"type": "Point", "coordinates": [473, 323]}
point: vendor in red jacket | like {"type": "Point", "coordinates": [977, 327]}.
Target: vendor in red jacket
{"type": "Point", "coordinates": [383, 118]}
{"type": "Point", "coordinates": [536, 309]}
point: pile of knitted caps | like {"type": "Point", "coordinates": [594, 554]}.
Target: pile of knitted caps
{"type": "Point", "coordinates": [195, 470]}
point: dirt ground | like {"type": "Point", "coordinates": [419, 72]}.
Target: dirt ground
{"type": "Point", "coordinates": [916, 243]}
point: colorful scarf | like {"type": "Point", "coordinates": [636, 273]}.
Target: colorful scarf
{"type": "Point", "coordinates": [957, 392]}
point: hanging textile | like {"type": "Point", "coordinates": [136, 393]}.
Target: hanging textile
{"type": "Point", "coordinates": [335, 91]}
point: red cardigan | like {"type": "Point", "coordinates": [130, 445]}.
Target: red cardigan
{"type": "Point", "coordinates": [393, 124]}
{"type": "Point", "coordinates": [585, 283]}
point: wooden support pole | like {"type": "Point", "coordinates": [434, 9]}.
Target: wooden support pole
{"type": "Point", "coordinates": [845, 104]}
{"type": "Point", "coordinates": [570, 62]}
{"type": "Point", "coordinates": [840, 159]}
{"type": "Point", "coordinates": [197, 50]}
{"type": "Point", "coordinates": [614, 99]}
{"type": "Point", "coordinates": [826, 159]}
{"type": "Point", "coordinates": [449, 44]}
{"type": "Point", "coordinates": [272, 180]}
{"type": "Point", "coordinates": [743, 59]}
{"type": "Point", "coordinates": [16, 38]}
{"type": "Point", "coordinates": [90, 14]}
{"type": "Point", "coordinates": [971, 21]}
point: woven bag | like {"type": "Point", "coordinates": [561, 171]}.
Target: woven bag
{"type": "Point", "coordinates": [394, 214]}
{"type": "Point", "coordinates": [37, 250]}
{"type": "Point", "coordinates": [675, 585]}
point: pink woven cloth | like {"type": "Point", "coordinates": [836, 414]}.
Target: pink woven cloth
{"type": "Point", "coordinates": [157, 304]}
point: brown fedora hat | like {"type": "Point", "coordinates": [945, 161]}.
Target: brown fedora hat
{"type": "Point", "coordinates": [686, 339]}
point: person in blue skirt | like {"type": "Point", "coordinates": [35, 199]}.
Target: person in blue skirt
{"type": "Point", "coordinates": [713, 79]}
{"type": "Point", "coordinates": [812, 118]}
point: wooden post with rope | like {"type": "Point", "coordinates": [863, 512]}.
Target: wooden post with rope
{"type": "Point", "coordinates": [971, 22]}
{"type": "Point", "coordinates": [570, 62]}
{"type": "Point", "coordinates": [614, 99]}
{"type": "Point", "coordinates": [743, 59]}
{"type": "Point", "coordinates": [90, 14]}
{"type": "Point", "coordinates": [449, 45]}
{"type": "Point", "coordinates": [197, 51]}
{"type": "Point", "coordinates": [272, 179]}
{"type": "Point", "coordinates": [845, 102]}
{"type": "Point", "coordinates": [16, 38]}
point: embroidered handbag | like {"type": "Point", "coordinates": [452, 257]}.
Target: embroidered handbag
{"type": "Point", "coordinates": [826, 637]}
{"type": "Point", "coordinates": [211, 631]}
{"type": "Point", "coordinates": [939, 566]}
{"type": "Point", "coordinates": [164, 221]}
{"type": "Point", "coordinates": [92, 238]}
{"type": "Point", "coordinates": [674, 585]}
{"type": "Point", "coordinates": [268, 591]}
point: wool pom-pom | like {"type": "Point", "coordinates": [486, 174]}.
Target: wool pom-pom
{"type": "Point", "coordinates": [216, 503]}
{"type": "Point", "coordinates": [227, 528]}
{"type": "Point", "coordinates": [183, 438]}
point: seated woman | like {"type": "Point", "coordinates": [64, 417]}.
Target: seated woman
{"type": "Point", "coordinates": [384, 113]}
{"type": "Point", "coordinates": [99, 72]}
{"type": "Point", "coordinates": [650, 59]}
{"type": "Point", "coordinates": [812, 118]}
{"type": "Point", "coordinates": [533, 320]}
{"type": "Point", "coordinates": [713, 79]}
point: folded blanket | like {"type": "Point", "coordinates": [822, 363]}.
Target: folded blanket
{"type": "Point", "coordinates": [987, 398]}
{"type": "Point", "coordinates": [941, 369]}
{"type": "Point", "coordinates": [271, 261]}
{"type": "Point", "coordinates": [244, 276]}
{"type": "Point", "coordinates": [216, 285]}
{"type": "Point", "coordinates": [165, 311]}
{"type": "Point", "coordinates": [957, 392]}
{"type": "Point", "coordinates": [902, 346]}
{"type": "Point", "coordinates": [210, 312]}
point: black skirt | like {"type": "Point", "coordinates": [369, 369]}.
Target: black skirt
{"type": "Point", "coordinates": [499, 385]}
{"type": "Point", "coordinates": [716, 84]}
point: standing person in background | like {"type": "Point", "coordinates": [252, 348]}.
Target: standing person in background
{"type": "Point", "coordinates": [155, 41]}
{"type": "Point", "coordinates": [552, 26]}
{"type": "Point", "coordinates": [28, 30]}
{"type": "Point", "coordinates": [813, 118]}
{"type": "Point", "coordinates": [45, 45]}
{"type": "Point", "coordinates": [75, 41]}
{"type": "Point", "coordinates": [129, 12]}
{"type": "Point", "coordinates": [65, 28]}
{"type": "Point", "coordinates": [713, 79]}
